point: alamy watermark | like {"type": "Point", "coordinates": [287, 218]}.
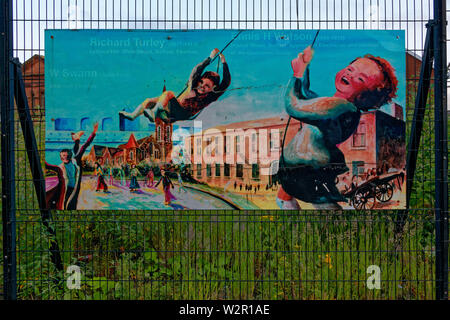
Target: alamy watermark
{"type": "Point", "coordinates": [231, 146]}
{"type": "Point", "coordinates": [74, 279]}
{"type": "Point", "coordinates": [374, 280]}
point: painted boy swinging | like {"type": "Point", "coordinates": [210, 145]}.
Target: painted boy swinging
{"type": "Point", "coordinates": [311, 161]}
{"type": "Point", "coordinates": [202, 90]}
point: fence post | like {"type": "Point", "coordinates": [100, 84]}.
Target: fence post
{"type": "Point", "coordinates": [35, 162]}
{"type": "Point", "coordinates": [441, 150]}
{"type": "Point", "coordinates": [7, 150]}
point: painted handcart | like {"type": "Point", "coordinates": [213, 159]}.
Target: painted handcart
{"type": "Point", "coordinates": [379, 188]}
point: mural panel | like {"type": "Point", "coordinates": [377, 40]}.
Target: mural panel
{"type": "Point", "coordinates": [225, 119]}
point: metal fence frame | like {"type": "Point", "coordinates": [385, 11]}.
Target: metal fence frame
{"type": "Point", "coordinates": [9, 149]}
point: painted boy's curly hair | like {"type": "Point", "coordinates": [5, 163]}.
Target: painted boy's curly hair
{"type": "Point", "coordinates": [213, 76]}
{"type": "Point", "coordinates": [375, 98]}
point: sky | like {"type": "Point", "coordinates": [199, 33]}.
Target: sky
{"type": "Point", "coordinates": [32, 17]}
{"type": "Point", "coordinates": [409, 15]}
{"type": "Point", "coordinates": [107, 71]}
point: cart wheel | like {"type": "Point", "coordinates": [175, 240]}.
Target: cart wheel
{"type": "Point", "coordinates": [364, 199]}
{"type": "Point", "coordinates": [384, 192]}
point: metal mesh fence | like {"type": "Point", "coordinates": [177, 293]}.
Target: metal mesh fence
{"type": "Point", "coordinates": [225, 254]}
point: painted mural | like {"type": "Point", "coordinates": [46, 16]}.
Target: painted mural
{"type": "Point", "coordinates": [225, 119]}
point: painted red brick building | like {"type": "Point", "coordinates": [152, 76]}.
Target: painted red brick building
{"type": "Point", "coordinates": [379, 142]}
{"type": "Point", "coordinates": [163, 140]}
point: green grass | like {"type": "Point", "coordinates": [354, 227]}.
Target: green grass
{"type": "Point", "coordinates": [228, 255]}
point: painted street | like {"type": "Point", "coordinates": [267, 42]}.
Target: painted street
{"type": "Point", "coordinates": [119, 197]}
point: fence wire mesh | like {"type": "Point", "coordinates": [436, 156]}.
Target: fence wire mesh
{"type": "Point", "coordinates": [224, 254]}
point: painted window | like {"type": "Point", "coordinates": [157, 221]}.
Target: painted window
{"type": "Point", "coordinates": [65, 124]}
{"type": "Point", "coordinates": [217, 169]}
{"type": "Point", "coordinates": [150, 148]}
{"type": "Point", "coordinates": [208, 146]}
{"type": "Point", "coordinates": [167, 134]}
{"type": "Point", "coordinates": [226, 170]}
{"type": "Point", "coordinates": [199, 147]}
{"type": "Point", "coordinates": [158, 133]}
{"type": "Point", "coordinates": [107, 124]}
{"type": "Point", "coordinates": [85, 123]}
{"type": "Point", "coordinates": [254, 141]}
{"type": "Point", "coordinates": [239, 170]}
{"type": "Point", "coordinates": [255, 171]}
{"type": "Point", "coordinates": [357, 168]}
{"type": "Point", "coordinates": [216, 141]}
{"type": "Point", "coordinates": [359, 137]}
{"type": "Point", "coordinates": [199, 170]}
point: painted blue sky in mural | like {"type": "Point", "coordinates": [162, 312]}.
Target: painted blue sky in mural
{"type": "Point", "coordinates": [96, 74]}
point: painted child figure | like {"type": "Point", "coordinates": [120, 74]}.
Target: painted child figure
{"type": "Point", "coordinates": [99, 172]}
{"type": "Point", "coordinates": [121, 174]}
{"type": "Point", "coordinates": [202, 90]}
{"type": "Point", "coordinates": [111, 176]}
{"type": "Point", "coordinates": [311, 161]}
{"type": "Point", "coordinates": [134, 184]}
{"type": "Point", "coordinates": [150, 177]}
{"type": "Point", "coordinates": [167, 184]}
{"type": "Point", "coordinates": [180, 183]}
